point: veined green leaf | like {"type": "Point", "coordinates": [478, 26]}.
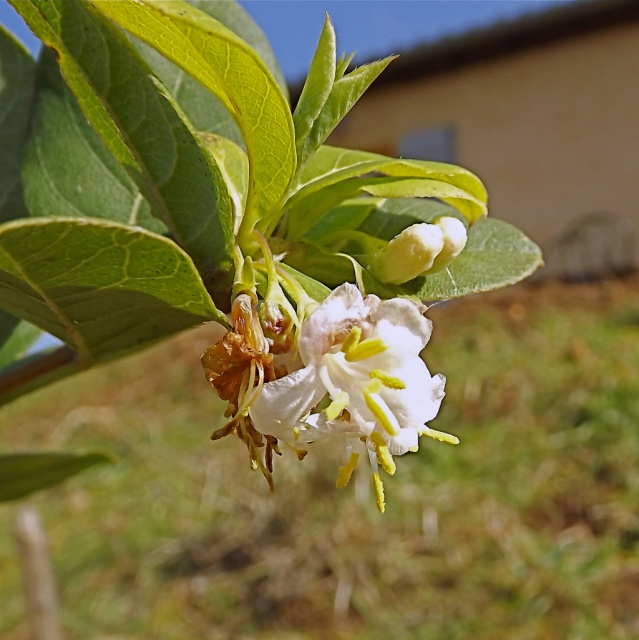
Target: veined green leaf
{"type": "Point", "coordinates": [233, 16]}
{"type": "Point", "coordinates": [103, 288]}
{"type": "Point", "coordinates": [335, 174]}
{"type": "Point", "coordinates": [202, 108]}
{"type": "Point", "coordinates": [317, 87]}
{"type": "Point", "coordinates": [496, 255]}
{"type": "Point", "coordinates": [141, 125]}
{"type": "Point", "coordinates": [24, 473]}
{"type": "Point", "coordinates": [16, 92]}
{"type": "Point", "coordinates": [345, 92]}
{"type": "Point", "coordinates": [68, 168]}
{"type": "Point", "coordinates": [233, 72]}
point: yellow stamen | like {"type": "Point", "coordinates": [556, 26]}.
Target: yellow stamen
{"type": "Point", "coordinates": [381, 412]}
{"type": "Point", "coordinates": [337, 406]}
{"type": "Point", "coordinates": [365, 349]}
{"type": "Point", "coordinates": [379, 492]}
{"type": "Point", "coordinates": [345, 472]}
{"type": "Point", "coordinates": [352, 339]}
{"type": "Point", "coordinates": [440, 435]}
{"type": "Point", "coordinates": [387, 380]}
{"type": "Point", "coordinates": [296, 433]}
{"type": "Point", "coordinates": [374, 386]}
{"type": "Point", "coordinates": [383, 454]}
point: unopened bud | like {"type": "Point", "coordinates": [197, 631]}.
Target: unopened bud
{"type": "Point", "coordinates": [277, 326]}
{"type": "Point", "coordinates": [455, 236]}
{"type": "Point", "coordinates": [410, 253]}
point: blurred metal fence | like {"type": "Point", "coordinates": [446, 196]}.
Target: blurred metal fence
{"type": "Point", "coordinates": [595, 246]}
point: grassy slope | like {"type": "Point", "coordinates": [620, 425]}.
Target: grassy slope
{"type": "Point", "coordinates": [529, 529]}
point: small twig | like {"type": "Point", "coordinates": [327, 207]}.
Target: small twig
{"type": "Point", "coordinates": [36, 371]}
{"type": "Point", "coordinates": [37, 575]}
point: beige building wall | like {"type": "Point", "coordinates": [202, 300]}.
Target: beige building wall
{"type": "Point", "coordinates": [553, 131]}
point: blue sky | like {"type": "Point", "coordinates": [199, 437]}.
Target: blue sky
{"type": "Point", "coordinates": [373, 28]}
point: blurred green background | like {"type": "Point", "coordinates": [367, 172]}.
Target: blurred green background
{"type": "Point", "coordinates": [528, 529]}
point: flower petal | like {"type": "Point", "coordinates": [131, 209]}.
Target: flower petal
{"type": "Point", "coordinates": [283, 402]}
{"type": "Point", "coordinates": [407, 440]}
{"type": "Point", "coordinates": [402, 327]}
{"type": "Point", "coordinates": [419, 402]}
{"type": "Point", "coordinates": [331, 322]}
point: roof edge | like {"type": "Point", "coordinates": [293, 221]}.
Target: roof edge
{"type": "Point", "coordinates": [504, 38]}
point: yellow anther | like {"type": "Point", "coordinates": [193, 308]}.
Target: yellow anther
{"type": "Point", "coordinates": [365, 349]}
{"type": "Point", "coordinates": [345, 472]}
{"type": "Point", "coordinates": [384, 456]}
{"type": "Point", "coordinates": [337, 406]}
{"type": "Point", "coordinates": [374, 386]}
{"type": "Point", "coordinates": [296, 433]}
{"type": "Point", "coordinates": [388, 380]}
{"type": "Point", "coordinates": [352, 339]}
{"type": "Point", "coordinates": [379, 492]}
{"type": "Point", "coordinates": [440, 435]}
{"type": "Point", "coordinates": [381, 412]}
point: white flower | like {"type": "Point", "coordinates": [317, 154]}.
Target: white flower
{"type": "Point", "coordinates": [363, 355]}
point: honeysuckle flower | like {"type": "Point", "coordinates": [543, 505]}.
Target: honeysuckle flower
{"type": "Point", "coordinates": [409, 253]}
{"type": "Point", "coordinates": [362, 365]}
{"type": "Point", "coordinates": [420, 249]}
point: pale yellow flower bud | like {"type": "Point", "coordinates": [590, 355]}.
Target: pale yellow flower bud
{"type": "Point", "coordinates": [410, 253]}
{"type": "Point", "coordinates": [455, 237]}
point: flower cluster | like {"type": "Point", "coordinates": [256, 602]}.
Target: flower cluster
{"type": "Point", "coordinates": [359, 375]}
{"type": "Point", "coordinates": [362, 381]}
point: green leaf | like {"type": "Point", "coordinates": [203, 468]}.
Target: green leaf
{"type": "Point", "coordinates": [379, 218]}
{"type": "Point", "coordinates": [345, 92]}
{"type": "Point", "coordinates": [335, 175]}
{"type": "Point", "coordinates": [24, 473]}
{"type": "Point", "coordinates": [319, 264]}
{"type": "Point", "coordinates": [234, 165]}
{"type": "Point", "coordinates": [140, 123]}
{"type": "Point", "coordinates": [233, 72]}
{"type": "Point", "coordinates": [17, 78]}
{"type": "Point", "coordinates": [233, 16]}
{"type": "Point", "coordinates": [16, 338]}
{"type": "Point", "coordinates": [16, 92]}
{"type": "Point", "coordinates": [68, 168]}
{"type": "Point", "coordinates": [202, 108]}
{"type": "Point", "coordinates": [103, 288]}
{"type": "Point", "coordinates": [317, 87]}
{"type": "Point", "coordinates": [342, 65]}
{"type": "Point", "coordinates": [391, 217]}
{"type": "Point", "coordinates": [348, 216]}
{"type": "Point", "coordinates": [313, 288]}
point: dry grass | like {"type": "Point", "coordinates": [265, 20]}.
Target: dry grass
{"type": "Point", "coordinates": [529, 529]}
